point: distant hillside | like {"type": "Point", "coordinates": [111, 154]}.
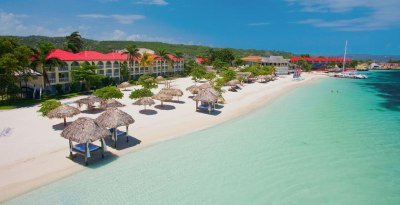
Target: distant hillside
{"type": "Point", "coordinates": [106, 46]}
{"type": "Point", "coordinates": [377, 58]}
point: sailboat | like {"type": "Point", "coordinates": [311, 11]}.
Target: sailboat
{"type": "Point", "coordinates": [349, 74]}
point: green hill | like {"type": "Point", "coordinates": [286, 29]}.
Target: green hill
{"type": "Point", "coordinates": [106, 46]}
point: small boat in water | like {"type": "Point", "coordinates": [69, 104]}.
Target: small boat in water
{"type": "Point", "coordinates": [348, 74]}
{"type": "Point", "coordinates": [351, 74]}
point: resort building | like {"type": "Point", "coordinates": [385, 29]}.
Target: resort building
{"type": "Point", "coordinates": [282, 66]}
{"type": "Point", "coordinates": [109, 65]}
{"type": "Point", "coordinates": [390, 65]}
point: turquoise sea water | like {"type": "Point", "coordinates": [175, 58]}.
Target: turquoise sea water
{"type": "Point", "coordinates": [336, 141]}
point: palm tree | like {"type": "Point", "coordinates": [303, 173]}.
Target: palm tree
{"type": "Point", "coordinates": [163, 54]}
{"type": "Point", "coordinates": [74, 42]}
{"type": "Point", "coordinates": [132, 52]}
{"type": "Point", "coordinates": [179, 54]}
{"type": "Point", "coordinates": [41, 61]}
{"type": "Point", "coordinates": [146, 60]}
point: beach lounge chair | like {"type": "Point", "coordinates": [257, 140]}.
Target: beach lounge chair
{"type": "Point", "coordinates": [118, 133]}
{"type": "Point", "coordinates": [85, 149]}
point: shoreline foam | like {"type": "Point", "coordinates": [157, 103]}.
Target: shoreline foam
{"type": "Point", "coordinates": [24, 171]}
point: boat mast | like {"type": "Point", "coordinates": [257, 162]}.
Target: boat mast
{"type": "Point", "coordinates": [344, 57]}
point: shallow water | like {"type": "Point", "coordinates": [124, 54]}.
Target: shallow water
{"type": "Point", "coordinates": [335, 141]}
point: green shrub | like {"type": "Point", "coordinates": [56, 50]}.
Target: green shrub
{"type": "Point", "coordinates": [139, 93]}
{"type": "Point", "coordinates": [47, 106]}
{"type": "Point", "coordinates": [109, 92]}
{"type": "Point", "coordinates": [147, 81]}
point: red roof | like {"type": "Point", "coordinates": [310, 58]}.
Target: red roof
{"type": "Point", "coordinates": [94, 56]}
{"type": "Point", "coordinates": [200, 60]}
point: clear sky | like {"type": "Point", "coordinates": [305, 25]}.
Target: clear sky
{"type": "Point", "coordinates": [300, 26]}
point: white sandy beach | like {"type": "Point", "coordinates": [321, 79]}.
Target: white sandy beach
{"type": "Point", "coordinates": [33, 153]}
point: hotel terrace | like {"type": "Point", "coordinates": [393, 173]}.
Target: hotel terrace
{"type": "Point", "coordinates": [109, 65]}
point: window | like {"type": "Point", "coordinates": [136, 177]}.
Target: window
{"type": "Point", "coordinates": [74, 64]}
{"type": "Point", "coordinates": [108, 64]}
{"type": "Point", "coordinates": [63, 67]}
{"type": "Point", "coordinates": [116, 64]}
{"type": "Point", "coordinates": [100, 64]}
{"type": "Point", "coordinates": [116, 72]}
{"type": "Point", "coordinates": [51, 77]}
{"type": "Point", "coordinates": [63, 77]}
{"type": "Point", "coordinates": [109, 73]}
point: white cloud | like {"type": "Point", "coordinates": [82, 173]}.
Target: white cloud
{"type": "Point", "coordinates": [152, 2]}
{"type": "Point", "coordinates": [13, 24]}
{"type": "Point", "coordinates": [123, 36]}
{"type": "Point", "coordinates": [380, 14]}
{"type": "Point", "coordinates": [122, 19]}
{"type": "Point", "coordinates": [259, 24]}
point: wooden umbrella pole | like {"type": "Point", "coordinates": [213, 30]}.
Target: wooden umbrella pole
{"type": "Point", "coordinates": [65, 121]}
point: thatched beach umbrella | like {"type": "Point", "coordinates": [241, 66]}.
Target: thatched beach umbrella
{"type": "Point", "coordinates": [63, 111]}
{"type": "Point", "coordinates": [85, 130]}
{"type": "Point", "coordinates": [172, 91]}
{"type": "Point", "coordinates": [89, 101]}
{"type": "Point", "coordinates": [144, 101]}
{"type": "Point", "coordinates": [162, 97]}
{"type": "Point", "coordinates": [233, 82]}
{"type": "Point", "coordinates": [270, 77]}
{"type": "Point", "coordinates": [160, 79]}
{"type": "Point", "coordinates": [114, 118]}
{"type": "Point", "coordinates": [124, 85]}
{"type": "Point", "coordinates": [205, 86]}
{"type": "Point", "coordinates": [110, 103]}
{"type": "Point", "coordinates": [194, 89]}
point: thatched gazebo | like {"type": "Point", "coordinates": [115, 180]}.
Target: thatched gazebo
{"type": "Point", "coordinates": [213, 91]}
{"type": "Point", "coordinates": [194, 89]}
{"type": "Point", "coordinates": [107, 103]}
{"type": "Point", "coordinates": [162, 97]}
{"type": "Point", "coordinates": [84, 131]}
{"type": "Point", "coordinates": [207, 99]}
{"type": "Point", "coordinates": [146, 101]}
{"type": "Point", "coordinates": [113, 118]}
{"type": "Point", "coordinates": [124, 85]}
{"type": "Point", "coordinates": [205, 86]}
{"type": "Point", "coordinates": [63, 111]}
{"type": "Point", "coordinates": [89, 101]}
{"type": "Point", "coordinates": [172, 91]}
{"type": "Point", "coordinates": [244, 75]}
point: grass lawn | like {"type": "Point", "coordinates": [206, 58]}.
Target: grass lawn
{"type": "Point", "coordinates": [8, 105]}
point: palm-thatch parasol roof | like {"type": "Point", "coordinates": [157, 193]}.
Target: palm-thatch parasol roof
{"type": "Point", "coordinates": [160, 78]}
{"type": "Point", "coordinates": [162, 97]}
{"type": "Point", "coordinates": [144, 101]}
{"type": "Point", "coordinates": [270, 77]}
{"type": "Point", "coordinates": [124, 85]}
{"type": "Point", "coordinates": [89, 100]}
{"type": "Point", "coordinates": [233, 82]}
{"type": "Point", "coordinates": [84, 130]}
{"type": "Point", "coordinates": [63, 111]}
{"type": "Point", "coordinates": [113, 118]}
{"type": "Point", "coordinates": [213, 91]}
{"type": "Point", "coordinates": [172, 91]}
{"type": "Point", "coordinates": [206, 96]}
{"type": "Point", "coordinates": [111, 103]}
{"type": "Point", "coordinates": [205, 86]}
{"type": "Point", "coordinates": [194, 89]}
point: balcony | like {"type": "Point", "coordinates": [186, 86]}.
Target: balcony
{"type": "Point", "coordinates": [63, 80]}
{"type": "Point", "coordinates": [52, 80]}
{"type": "Point", "coordinates": [63, 69]}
